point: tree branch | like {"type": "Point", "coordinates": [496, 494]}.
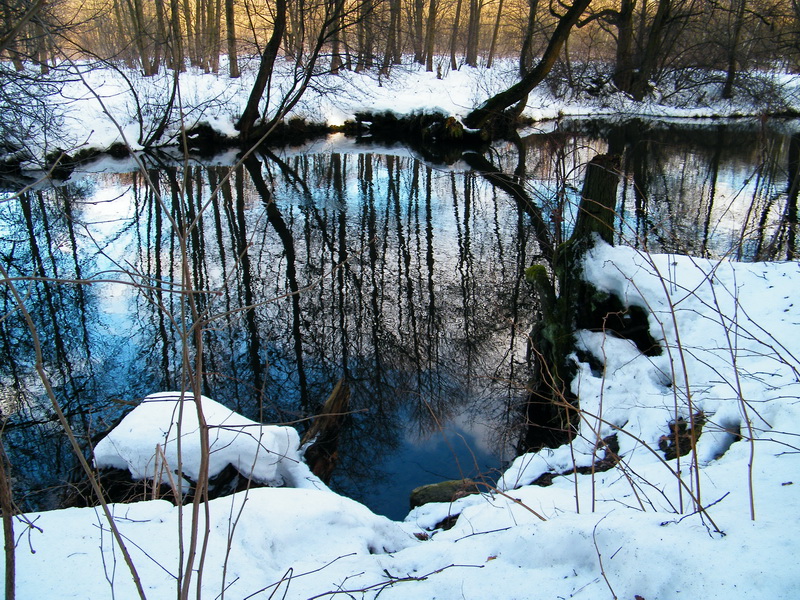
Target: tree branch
{"type": "Point", "coordinates": [6, 40]}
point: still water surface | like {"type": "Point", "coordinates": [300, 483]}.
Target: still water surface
{"type": "Point", "coordinates": [339, 260]}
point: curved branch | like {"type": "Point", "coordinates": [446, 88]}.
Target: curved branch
{"type": "Point", "coordinates": [492, 110]}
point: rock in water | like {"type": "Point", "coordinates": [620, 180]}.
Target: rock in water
{"type": "Point", "coordinates": [445, 491]}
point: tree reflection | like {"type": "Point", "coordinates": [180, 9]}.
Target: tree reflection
{"type": "Point", "coordinates": [406, 280]}
{"type": "Point", "coordinates": [44, 249]}
{"type": "Point", "coordinates": [708, 191]}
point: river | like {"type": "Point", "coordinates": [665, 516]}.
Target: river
{"type": "Point", "coordinates": [342, 259]}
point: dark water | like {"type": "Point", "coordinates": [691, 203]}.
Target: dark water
{"type": "Point", "coordinates": [309, 266]}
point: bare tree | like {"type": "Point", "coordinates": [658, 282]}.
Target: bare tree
{"type": "Point", "coordinates": [489, 114]}
{"type": "Point", "coordinates": [473, 32]}
{"type": "Point", "coordinates": [430, 35]}
{"type": "Point", "coordinates": [526, 50]}
{"type": "Point", "coordinates": [454, 36]}
{"type": "Point", "coordinates": [739, 7]}
{"type": "Point", "coordinates": [495, 33]}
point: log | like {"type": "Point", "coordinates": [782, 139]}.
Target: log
{"type": "Point", "coordinates": [322, 455]}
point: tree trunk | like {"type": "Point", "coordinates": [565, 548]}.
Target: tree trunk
{"type": "Point", "coordinates": [623, 67]}
{"type": "Point", "coordinates": [496, 30]}
{"type": "Point", "coordinates": [792, 192]}
{"type": "Point", "coordinates": [216, 35]}
{"type": "Point", "coordinates": [473, 33]}
{"type": "Point", "coordinates": [363, 39]}
{"type": "Point", "coordinates": [160, 41]}
{"type": "Point", "coordinates": [176, 56]}
{"type": "Point", "coordinates": [454, 37]}
{"type": "Point", "coordinates": [296, 15]}
{"type": "Point", "coordinates": [40, 51]}
{"type": "Point", "coordinates": [430, 36]}
{"type": "Point", "coordinates": [121, 28]}
{"type": "Point", "coordinates": [190, 37]}
{"type": "Point", "coordinates": [395, 9]}
{"type": "Point", "coordinates": [251, 111]}
{"type": "Point", "coordinates": [419, 36]}
{"type": "Point", "coordinates": [565, 307]}
{"type": "Point", "coordinates": [730, 77]}
{"type": "Point", "coordinates": [337, 6]}
{"type": "Point", "coordinates": [651, 50]}
{"type": "Point", "coordinates": [230, 21]}
{"type": "Point", "coordinates": [140, 35]}
{"type": "Point", "coordinates": [526, 53]}
{"type": "Point", "coordinates": [200, 34]}
{"type": "Point", "coordinates": [491, 112]}
{"type": "Point", "coordinates": [7, 507]}
{"type": "Point", "coordinates": [392, 54]}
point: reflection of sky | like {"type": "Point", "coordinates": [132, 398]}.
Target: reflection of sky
{"type": "Point", "coordinates": [452, 453]}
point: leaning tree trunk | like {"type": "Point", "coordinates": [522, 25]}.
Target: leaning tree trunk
{"type": "Point", "coordinates": [490, 114]}
{"type": "Point", "coordinates": [251, 111]}
{"type": "Point", "coordinates": [551, 407]}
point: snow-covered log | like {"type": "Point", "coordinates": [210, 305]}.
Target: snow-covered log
{"type": "Point", "coordinates": [145, 443]}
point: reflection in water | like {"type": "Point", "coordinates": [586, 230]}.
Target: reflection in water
{"type": "Point", "coordinates": [712, 191]}
{"type": "Point", "coordinates": [407, 280]}
{"type": "Point", "coordinates": [402, 278]}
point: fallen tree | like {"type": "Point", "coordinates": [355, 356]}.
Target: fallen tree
{"type": "Point", "coordinates": [492, 116]}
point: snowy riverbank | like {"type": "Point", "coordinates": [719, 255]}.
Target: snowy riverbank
{"type": "Point", "coordinates": [731, 357]}
{"type": "Point", "coordinates": [97, 107]}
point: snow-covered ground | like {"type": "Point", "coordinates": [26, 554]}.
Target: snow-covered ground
{"type": "Point", "coordinates": [726, 528]}
{"type": "Point", "coordinates": [98, 107]}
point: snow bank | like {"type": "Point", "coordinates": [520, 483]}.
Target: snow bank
{"type": "Point", "coordinates": [729, 335]}
{"type": "Point", "coordinates": [100, 108]}
{"type": "Point", "coordinates": [255, 540]}
{"type": "Point", "coordinates": [146, 443]}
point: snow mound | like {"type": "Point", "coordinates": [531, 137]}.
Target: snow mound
{"type": "Point", "coordinates": [146, 442]}
{"type": "Point", "coordinates": [727, 331]}
{"type": "Point", "coordinates": [254, 537]}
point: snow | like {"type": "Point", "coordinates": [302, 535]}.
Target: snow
{"type": "Point", "coordinates": [98, 108]}
{"type": "Point", "coordinates": [730, 330]}
{"type": "Point", "coordinates": [269, 455]}
{"type": "Point", "coordinates": [719, 526]}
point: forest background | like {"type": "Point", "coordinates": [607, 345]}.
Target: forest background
{"type": "Point", "coordinates": [629, 46]}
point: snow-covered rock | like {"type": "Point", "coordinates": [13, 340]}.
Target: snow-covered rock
{"type": "Point", "coordinates": [147, 441]}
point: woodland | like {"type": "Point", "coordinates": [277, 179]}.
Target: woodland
{"type": "Point", "coordinates": [659, 406]}
{"type": "Point", "coordinates": [628, 46]}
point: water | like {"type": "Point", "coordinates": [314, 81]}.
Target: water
{"type": "Point", "coordinates": [336, 261]}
